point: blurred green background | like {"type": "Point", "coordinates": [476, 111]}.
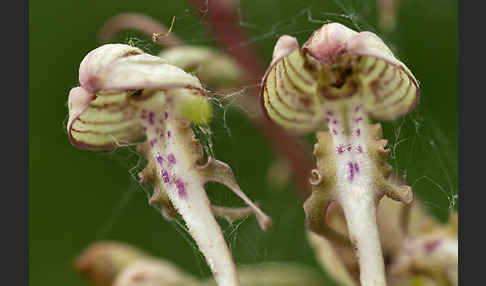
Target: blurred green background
{"type": "Point", "coordinates": [77, 197]}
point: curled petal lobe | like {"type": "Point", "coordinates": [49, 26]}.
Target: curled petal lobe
{"type": "Point", "coordinates": [148, 72]}
{"type": "Point", "coordinates": [93, 67]}
{"type": "Point", "coordinates": [103, 122]}
{"type": "Point", "coordinates": [79, 99]}
{"type": "Point", "coordinates": [284, 46]}
{"type": "Point", "coordinates": [290, 91]}
{"type": "Point", "coordinates": [117, 67]}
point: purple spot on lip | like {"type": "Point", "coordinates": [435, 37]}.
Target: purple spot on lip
{"type": "Point", "coordinates": [358, 132]}
{"type": "Point", "coordinates": [165, 176]}
{"type": "Point", "coordinates": [356, 167]}
{"type": "Point", "coordinates": [168, 134]}
{"type": "Point", "coordinates": [166, 115]}
{"type": "Point", "coordinates": [335, 121]}
{"type": "Point", "coordinates": [171, 159]}
{"type": "Point", "coordinates": [152, 142]}
{"type": "Point", "coordinates": [349, 147]}
{"type": "Point", "coordinates": [340, 149]}
{"type": "Point", "coordinates": [160, 159]}
{"type": "Point", "coordinates": [351, 171]}
{"type": "Point", "coordinates": [358, 119]}
{"type": "Point", "coordinates": [181, 188]}
{"type": "Point", "coordinates": [359, 149]}
{"type": "Point", "coordinates": [334, 131]}
{"type": "Point", "coordinates": [151, 118]}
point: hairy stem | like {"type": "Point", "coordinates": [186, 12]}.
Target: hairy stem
{"type": "Point", "coordinates": [355, 184]}
{"type": "Point", "coordinates": [360, 212]}
{"type": "Point", "coordinates": [175, 167]}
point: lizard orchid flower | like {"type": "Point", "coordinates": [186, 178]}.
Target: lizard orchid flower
{"type": "Point", "coordinates": [337, 82]}
{"type": "Point", "coordinates": [126, 96]}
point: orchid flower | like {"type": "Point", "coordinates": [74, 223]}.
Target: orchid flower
{"type": "Point", "coordinates": [338, 81]}
{"type": "Point", "coordinates": [129, 97]}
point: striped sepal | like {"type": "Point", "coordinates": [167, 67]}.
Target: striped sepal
{"type": "Point", "coordinates": [290, 94]}
{"type": "Point", "coordinates": [389, 91]}
{"type": "Point", "coordinates": [104, 122]}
